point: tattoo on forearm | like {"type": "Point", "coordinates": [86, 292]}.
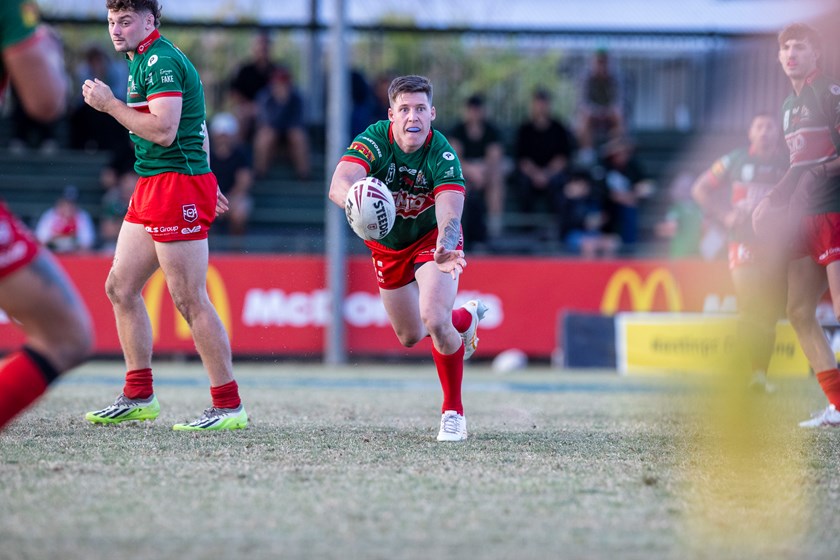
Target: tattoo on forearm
{"type": "Point", "coordinates": [451, 234]}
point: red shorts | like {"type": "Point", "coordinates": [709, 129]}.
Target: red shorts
{"type": "Point", "coordinates": [18, 246]}
{"type": "Point", "coordinates": [819, 238]}
{"type": "Point", "coordinates": [174, 207]}
{"type": "Point", "coordinates": [395, 269]}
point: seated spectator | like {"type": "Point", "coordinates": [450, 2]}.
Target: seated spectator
{"type": "Point", "coordinates": [601, 116]}
{"type": "Point", "coordinates": [544, 148]}
{"type": "Point", "coordinates": [114, 205]}
{"type": "Point", "coordinates": [585, 226]}
{"type": "Point", "coordinates": [479, 147]}
{"type": "Point", "coordinates": [249, 79]}
{"type": "Point", "coordinates": [280, 121]}
{"type": "Point", "coordinates": [627, 185]}
{"type": "Point", "coordinates": [93, 130]}
{"type": "Point", "coordinates": [65, 227]}
{"type": "Point", "coordinates": [230, 163]}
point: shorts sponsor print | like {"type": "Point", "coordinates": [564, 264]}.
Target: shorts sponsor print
{"type": "Point", "coordinates": [18, 246]}
{"type": "Point", "coordinates": [820, 238]}
{"type": "Point", "coordinates": [395, 268]}
{"type": "Point", "coordinates": [174, 207]}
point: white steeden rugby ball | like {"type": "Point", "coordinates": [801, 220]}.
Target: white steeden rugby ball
{"type": "Point", "coordinates": [370, 209]}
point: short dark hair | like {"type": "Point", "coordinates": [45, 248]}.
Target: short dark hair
{"type": "Point", "coordinates": [800, 32]}
{"type": "Point", "coordinates": [136, 6]}
{"type": "Point", "coordinates": [410, 84]}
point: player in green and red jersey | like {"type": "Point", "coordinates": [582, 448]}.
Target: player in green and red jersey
{"type": "Point", "coordinates": [809, 198]}
{"type": "Point", "coordinates": [417, 265]}
{"type": "Point", "coordinates": [33, 288]}
{"type": "Point", "coordinates": [174, 202]}
{"type": "Point", "coordinates": [744, 176]}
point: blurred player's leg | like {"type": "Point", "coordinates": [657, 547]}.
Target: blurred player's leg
{"type": "Point", "coordinates": [58, 331]}
{"type": "Point", "coordinates": [807, 284]}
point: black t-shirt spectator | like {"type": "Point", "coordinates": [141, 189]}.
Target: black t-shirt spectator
{"type": "Point", "coordinates": [474, 148]}
{"type": "Point", "coordinates": [541, 146]}
{"type": "Point", "coordinates": [225, 168]}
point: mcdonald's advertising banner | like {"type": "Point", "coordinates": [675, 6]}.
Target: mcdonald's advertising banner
{"type": "Point", "coordinates": [279, 305]}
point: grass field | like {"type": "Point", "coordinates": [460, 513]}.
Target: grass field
{"type": "Point", "coordinates": [342, 463]}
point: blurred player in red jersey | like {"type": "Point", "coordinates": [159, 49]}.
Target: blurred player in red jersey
{"type": "Point", "coordinates": [728, 193]}
{"type": "Point", "coordinates": [419, 262]}
{"type": "Point", "coordinates": [806, 203]}
{"type": "Point", "coordinates": [173, 205]}
{"type": "Point", "coordinates": [33, 288]}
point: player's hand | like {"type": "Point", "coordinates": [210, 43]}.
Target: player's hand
{"type": "Point", "coordinates": [97, 94]}
{"type": "Point", "coordinates": [222, 204]}
{"type": "Point", "coordinates": [450, 261]}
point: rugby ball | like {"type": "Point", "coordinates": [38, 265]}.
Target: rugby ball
{"type": "Point", "coordinates": [370, 209]}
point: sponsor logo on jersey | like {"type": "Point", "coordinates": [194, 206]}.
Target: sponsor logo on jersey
{"type": "Point", "coordinates": [450, 173]}
{"type": "Point", "coordinates": [364, 150]}
{"type": "Point", "coordinates": [834, 89]}
{"type": "Point", "coordinates": [392, 172]}
{"type": "Point", "coordinates": [448, 156]}
{"type": "Point", "coordinates": [373, 143]}
{"type": "Point", "coordinates": [190, 212]}
{"type": "Point", "coordinates": [166, 76]}
{"type": "Point", "coordinates": [187, 231]}
{"type": "Point", "coordinates": [786, 120]}
{"type": "Point", "coordinates": [411, 205]}
{"type": "Point", "coordinates": [152, 60]}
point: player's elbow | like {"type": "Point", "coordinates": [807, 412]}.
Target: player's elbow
{"type": "Point", "coordinates": [45, 109]}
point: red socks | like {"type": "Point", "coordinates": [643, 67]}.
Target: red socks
{"type": "Point", "coordinates": [461, 320]}
{"type": "Point", "coordinates": [138, 384]}
{"type": "Point", "coordinates": [830, 383]}
{"type": "Point", "coordinates": [22, 381]}
{"type": "Point", "coordinates": [225, 396]}
{"type": "Point", "coordinates": [450, 369]}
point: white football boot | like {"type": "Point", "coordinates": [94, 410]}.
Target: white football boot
{"type": "Point", "coordinates": [828, 417]}
{"type": "Point", "coordinates": [453, 427]}
{"type": "Point", "coordinates": [477, 309]}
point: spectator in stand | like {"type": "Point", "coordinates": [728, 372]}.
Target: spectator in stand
{"type": "Point", "coordinates": [280, 121]}
{"type": "Point", "coordinates": [114, 206]}
{"type": "Point", "coordinates": [91, 130]}
{"type": "Point", "coordinates": [66, 228]}
{"type": "Point", "coordinates": [232, 166]}
{"type": "Point", "coordinates": [478, 144]}
{"type": "Point", "coordinates": [601, 116]}
{"type": "Point", "coordinates": [544, 148]}
{"type": "Point", "coordinates": [249, 79]}
{"type": "Point", "coordinates": [627, 186]}
{"type": "Point", "coordinates": [585, 226]}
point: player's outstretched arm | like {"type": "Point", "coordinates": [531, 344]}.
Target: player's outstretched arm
{"type": "Point", "coordinates": [346, 173]}
{"type": "Point", "coordinates": [449, 206]}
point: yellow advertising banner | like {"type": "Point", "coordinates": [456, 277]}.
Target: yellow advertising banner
{"type": "Point", "coordinates": [656, 343]}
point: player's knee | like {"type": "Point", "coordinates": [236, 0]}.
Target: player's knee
{"type": "Point", "coordinates": [115, 290]}
{"type": "Point", "coordinates": [409, 338]}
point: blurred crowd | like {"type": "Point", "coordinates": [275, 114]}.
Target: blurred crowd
{"type": "Point", "coordinates": [575, 185]}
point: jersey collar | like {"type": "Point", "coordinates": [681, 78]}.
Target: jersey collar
{"type": "Point", "coordinates": [147, 42]}
{"type": "Point", "coordinates": [813, 76]}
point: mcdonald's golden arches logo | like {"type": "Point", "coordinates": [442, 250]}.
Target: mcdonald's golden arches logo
{"type": "Point", "coordinates": [642, 292]}
{"type": "Point", "coordinates": [153, 296]}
